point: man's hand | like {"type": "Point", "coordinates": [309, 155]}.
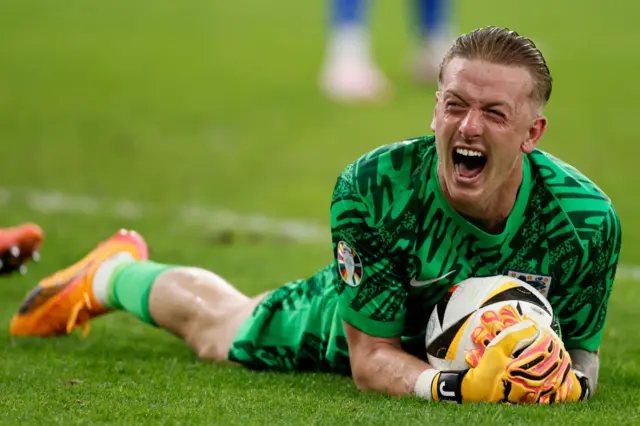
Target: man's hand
{"type": "Point", "coordinates": [18, 245]}
{"type": "Point", "coordinates": [516, 362]}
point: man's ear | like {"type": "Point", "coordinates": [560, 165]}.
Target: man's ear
{"type": "Point", "coordinates": [433, 119]}
{"type": "Point", "coordinates": [535, 133]}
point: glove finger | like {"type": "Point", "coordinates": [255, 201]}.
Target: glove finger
{"type": "Point", "coordinates": [536, 358]}
{"type": "Point", "coordinates": [515, 338]}
{"type": "Point", "coordinates": [551, 348]}
{"type": "Point", "coordinates": [509, 316]}
{"type": "Point", "coordinates": [543, 365]}
{"type": "Point", "coordinates": [554, 397]}
{"type": "Point", "coordinates": [545, 399]}
{"type": "Point", "coordinates": [561, 377]}
{"type": "Point", "coordinates": [491, 321]}
{"type": "Point", "coordinates": [530, 398]}
{"type": "Point", "coordinates": [481, 337]}
{"type": "Point", "coordinates": [561, 394]}
{"type": "Point", "coordinates": [472, 357]}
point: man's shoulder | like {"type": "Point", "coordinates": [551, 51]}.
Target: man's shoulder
{"type": "Point", "coordinates": [393, 163]}
{"type": "Point", "coordinates": [385, 177]}
{"type": "Point", "coordinates": [585, 204]}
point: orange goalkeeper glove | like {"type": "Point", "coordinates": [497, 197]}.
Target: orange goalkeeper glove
{"type": "Point", "coordinates": [516, 362]}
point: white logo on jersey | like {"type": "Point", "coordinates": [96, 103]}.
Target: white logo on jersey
{"type": "Point", "coordinates": [416, 283]}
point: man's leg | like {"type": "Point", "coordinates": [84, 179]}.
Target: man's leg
{"type": "Point", "coordinates": [349, 73]}
{"type": "Point", "coordinates": [201, 308]}
{"type": "Point", "coordinates": [195, 305]}
{"type": "Point", "coordinates": [436, 33]}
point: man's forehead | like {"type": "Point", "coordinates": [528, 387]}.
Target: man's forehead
{"type": "Point", "coordinates": [485, 81]}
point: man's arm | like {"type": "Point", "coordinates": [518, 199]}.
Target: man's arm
{"type": "Point", "coordinates": [371, 270]}
{"type": "Point", "coordinates": [369, 282]}
{"type": "Point", "coordinates": [379, 364]}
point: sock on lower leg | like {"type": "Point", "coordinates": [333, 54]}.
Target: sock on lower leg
{"type": "Point", "coordinates": [130, 285]}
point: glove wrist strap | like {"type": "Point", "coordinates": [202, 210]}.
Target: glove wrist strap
{"type": "Point", "coordinates": [448, 386]}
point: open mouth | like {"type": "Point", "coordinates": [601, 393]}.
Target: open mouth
{"type": "Point", "coordinates": [468, 163]}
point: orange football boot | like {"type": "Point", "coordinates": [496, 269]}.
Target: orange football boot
{"type": "Point", "coordinates": [18, 245]}
{"type": "Point", "coordinates": [65, 300]}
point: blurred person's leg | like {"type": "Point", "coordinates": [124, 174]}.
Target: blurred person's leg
{"type": "Point", "coordinates": [349, 73]}
{"type": "Point", "coordinates": [436, 32]}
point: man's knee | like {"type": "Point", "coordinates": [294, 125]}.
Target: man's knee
{"type": "Point", "coordinates": [212, 341]}
{"type": "Point", "coordinates": [189, 278]}
{"type": "Point", "coordinates": [184, 299]}
{"type": "Point", "coordinates": [198, 285]}
{"type": "Point", "coordinates": [173, 294]}
{"type": "Point", "coordinates": [201, 308]}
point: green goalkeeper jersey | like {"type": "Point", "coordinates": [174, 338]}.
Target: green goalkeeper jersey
{"type": "Point", "coordinates": [399, 247]}
{"type": "Point", "coordinates": [408, 246]}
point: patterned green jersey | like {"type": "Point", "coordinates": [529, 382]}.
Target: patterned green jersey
{"type": "Point", "coordinates": [400, 245]}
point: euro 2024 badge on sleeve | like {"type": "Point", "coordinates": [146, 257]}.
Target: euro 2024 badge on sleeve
{"type": "Point", "coordinates": [349, 265]}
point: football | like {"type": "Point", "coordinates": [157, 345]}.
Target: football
{"type": "Point", "coordinates": [448, 335]}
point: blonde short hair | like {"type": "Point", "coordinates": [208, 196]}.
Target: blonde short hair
{"type": "Point", "coordinates": [503, 46]}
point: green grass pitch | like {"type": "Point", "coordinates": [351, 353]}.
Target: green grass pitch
{"type": "Point", "coordinates": [139, 113]}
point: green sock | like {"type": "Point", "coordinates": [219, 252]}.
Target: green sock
{"type": "Point", "coordinates": [129, 287]}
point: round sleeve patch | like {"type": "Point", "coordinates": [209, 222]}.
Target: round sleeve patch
{"type": "Point", "coordinates": [349, 264]}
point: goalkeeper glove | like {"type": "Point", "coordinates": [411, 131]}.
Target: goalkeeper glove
{"type": "Point", "coordinates": [515, 362]}
{"type": "Point", "coordinates": [574, 388]}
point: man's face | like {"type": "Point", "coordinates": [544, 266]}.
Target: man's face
{"type": "Point", "coordinates": [484, 120]}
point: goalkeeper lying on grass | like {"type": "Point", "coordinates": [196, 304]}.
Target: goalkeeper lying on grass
{"type": "Point", "coordinates": [409, 220]}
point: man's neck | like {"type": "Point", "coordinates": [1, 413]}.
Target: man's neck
{"type": "Point", "coordinates": [492, 215]}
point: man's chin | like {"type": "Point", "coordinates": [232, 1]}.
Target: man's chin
{"type": "Point", "coordinates": [469, 198]}
{"type": "Point", "coordinates": [464, 193]}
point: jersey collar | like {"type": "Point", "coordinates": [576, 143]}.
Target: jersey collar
{"type": "Point", "coordinates": [515, 219]}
